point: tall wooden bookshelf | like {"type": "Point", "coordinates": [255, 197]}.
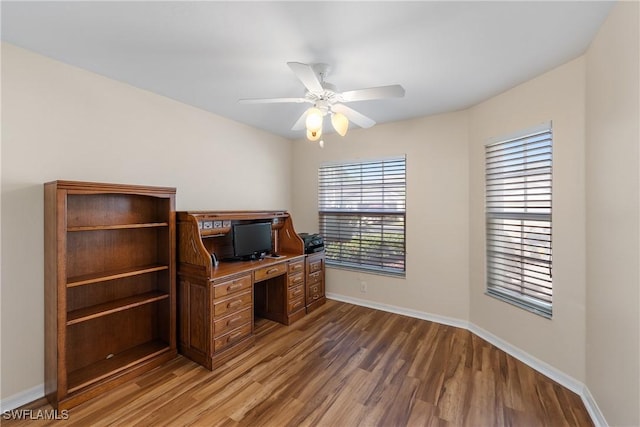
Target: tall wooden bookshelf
{"type": "Point", "coordinates": [109, 286]}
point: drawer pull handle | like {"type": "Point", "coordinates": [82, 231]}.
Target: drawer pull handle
{"type": "Point", "coordinates": [296, 292]}
{"type": "Point", "coordinates": [234, 286]}
{"type": "Point", "coordinates": [235, 335]}
{"type": "Point", "coordinates": [316, 296]}
{"type": "Point", "coordinates": [272, 270]}
{"type": "Point", "coordinates": [234, 303]}
{"type": "Point", "coordinates": [297, 279]}
{"type": "Point", "coordinates": [234, 320]}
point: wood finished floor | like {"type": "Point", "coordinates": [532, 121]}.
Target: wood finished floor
{"type": "Point", "coordinates": [342, 365]}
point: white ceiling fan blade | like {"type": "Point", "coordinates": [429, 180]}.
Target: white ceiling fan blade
{"type": "Point", "coordinates": [353, 116]}
{"type": "Point", "coordinates": [307, 76]}
{"type": "Point", "coordinates": [300, 123]}
{"type": "Point", "coordinates": [272, 100]}
{"type": "Point", "coordinates": [392, 91]}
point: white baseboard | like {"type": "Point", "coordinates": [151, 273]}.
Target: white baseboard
{"type": "Point", "coordinates": [556, 375]}
{"type": "Point", "coordinates": [22, 398]}
{"type": "Point", "coordinates": [537, 364]}
{"type": "Point", "coordinates": [450, 321]}
{"type": "Point", "coordinates": [596, 414]}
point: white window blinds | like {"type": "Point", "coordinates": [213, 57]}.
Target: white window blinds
{"type": "Point", "coordinates": [362, 214]}
{"type": "Point", "coordinates": [518, 220]}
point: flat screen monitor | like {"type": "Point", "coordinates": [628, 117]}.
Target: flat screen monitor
{"type": "Point", "coordinates": [251, 241]}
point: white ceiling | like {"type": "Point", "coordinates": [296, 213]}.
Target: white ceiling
{"type": "Point", "coordinates": [447, 55]}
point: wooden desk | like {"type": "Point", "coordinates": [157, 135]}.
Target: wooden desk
{"type": "Point", "coordinates": [217, 304]}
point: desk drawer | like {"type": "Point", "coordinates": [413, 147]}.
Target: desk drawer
{"type": "Point", "coordinates": [296, 279]}
{"type": "Point", "coordinates": [270, 271]}
{"type": "Point", "coordinates": [231, 305]}
{"type": "Point", "coordinates": [226, 324]}
{"type": "Point", "coordinates": [296, 266]}
{"type": "Point", "coordinates": [228, 287]}
{"type": "Point", "coordinates": [315, 292]}
{"type": "Point", "coordinates": [315, 277]}
{"type": "Point", "coordinates": [295, 292]}
{"type": "Point", "coordinates": [235, 335]}
{"type": "Point", "coordinates": [296, 304]}
{"type": "Point", "coordinates": [315, 266]}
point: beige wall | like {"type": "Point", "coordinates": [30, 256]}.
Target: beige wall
{"type": "Point", "coordinates": [613, 214]}
{"type": "Point", "coordinates": [61, 122]}
{"type": "Point", "coordinates": [437, 215]}
{"type": "Point", "coordinates": [557, 96]}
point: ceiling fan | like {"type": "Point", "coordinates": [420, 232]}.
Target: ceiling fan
{"type": "Point", "coordinates": [327, 100]}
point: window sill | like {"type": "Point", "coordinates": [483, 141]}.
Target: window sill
{"type": "Point", "coordinates": [399, 275]}
{"type": "Point", "coordinates": [541, 311]}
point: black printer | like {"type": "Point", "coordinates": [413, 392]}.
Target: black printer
{"type": "Point", "coordinates": [312, 242]}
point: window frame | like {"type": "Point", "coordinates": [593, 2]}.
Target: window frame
{"type": "Point", "coordinates": [518, 218]}
{"type": "Point", "coordinates": [375, 192]}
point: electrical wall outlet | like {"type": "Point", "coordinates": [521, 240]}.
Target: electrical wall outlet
{"type": "Point", "coordinates": [363, 286]}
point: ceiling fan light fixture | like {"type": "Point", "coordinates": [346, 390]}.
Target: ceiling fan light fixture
{"type": "Point", "coordinates": [313, 121]}
{"type": "Point", "coordinates": [326, 99]}
{"type": "Point", "coordinates": [340, 123]}
{"type": "Point", "coordinates": [314, 135]}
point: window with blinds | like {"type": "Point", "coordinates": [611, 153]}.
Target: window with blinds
{"type": "Point", "coordinates": [362, 214]}
{"type": "Point", "coordinates": [518, 219]}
